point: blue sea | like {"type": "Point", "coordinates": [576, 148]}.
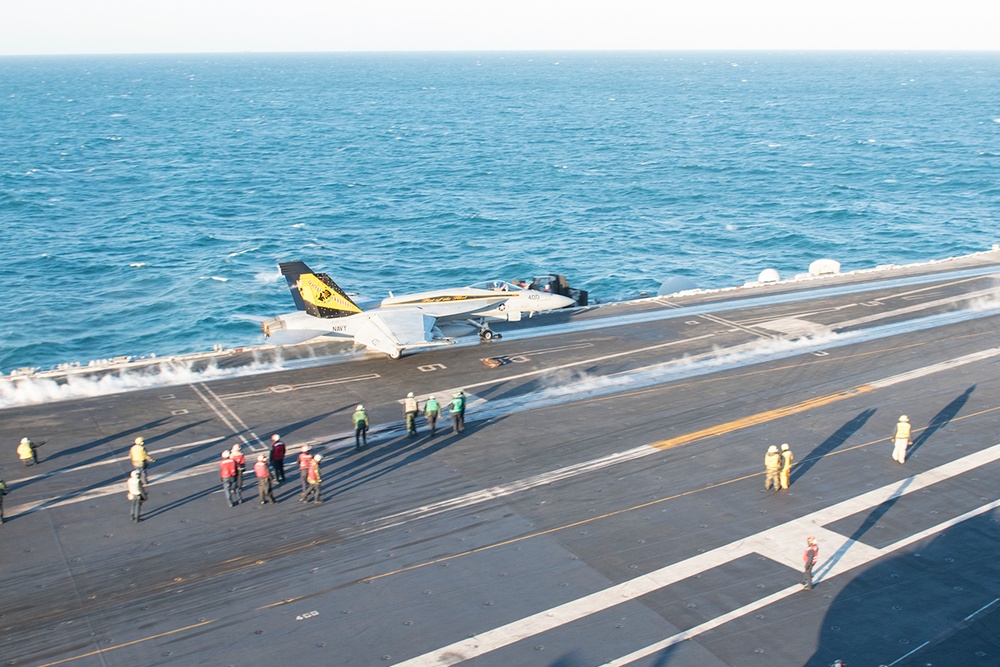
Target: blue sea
{"type": "Point", "coordinates": [145, 201]}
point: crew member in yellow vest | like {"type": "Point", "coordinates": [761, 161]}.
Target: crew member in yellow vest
{"type": "Point", "coordinates": [772, 468]}
{"type": "Point", "coordinates": [786, 464]}
{"type": "Point", "coordinates": [140, 459]}
{"type": "Point", "coordinates": [901, 439]}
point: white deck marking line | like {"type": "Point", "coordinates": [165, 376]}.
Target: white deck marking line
{"type": "Point", "coordinates": [304, 385]}
{"type": "Point", "coordinates": [790, 535]}
{"type": "Point", "coordinates": [211, 395]}
{"type": "Point", "coordinates": [493, 493]}
{"type": "Point", "coordinates": [840, 326]}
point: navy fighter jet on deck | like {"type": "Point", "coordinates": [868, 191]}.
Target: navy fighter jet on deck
{"type": "Point", "coordinates": [400, 323]}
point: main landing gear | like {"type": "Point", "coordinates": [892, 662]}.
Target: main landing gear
{"type": "Point", "coordinates": [485, 333]}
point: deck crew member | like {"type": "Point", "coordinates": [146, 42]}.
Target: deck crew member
{"type": "Point", "coordinates": [26, 452]}
{"type": "Point", "coordinates": [772, 468]}
{"type": "Point", "coordinates": [810, 557]}
{"type": "Point", "coordinates": [360, 421]}
{"type": "Point", "coordinates": [431, 411]}
{"type": "Point", "coordinates": [457, 409]}
{"type": "Point", "coordinates": [305, 462]}
{"type": "Point", "coordinates": [315, 481]}
{"type": "Point", "coordinates": [3, 492]}
{"type": "Point", "coordinates": [786, 464]}
{"type": "Point", "coordinates": [265, 479]}
{"type": "Point", "coordinates": [410, 409]}
{"type": "Point", "coordinates": [227, 473]}
{"type": "Point", "coordinates": [901, 439]}
{"type": "Point", "coordinates": [140, 458]}
{"type": "Point", "coordinates": [136, 494]}
{"type": "Point", "coordinates": [240, 459]}
{"type": "Point", "coordinates": [278, 457]}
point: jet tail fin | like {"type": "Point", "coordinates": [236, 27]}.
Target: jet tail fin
{"type": "Point", "coordinates": [316, 293]}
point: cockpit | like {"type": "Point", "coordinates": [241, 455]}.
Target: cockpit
{"type": "Point", "coordinates": [496, 286]}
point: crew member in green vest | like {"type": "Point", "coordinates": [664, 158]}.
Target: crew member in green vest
{"type": "Point", "coordinates": [360, 426]}
{"type": "Point", "coordinates": [431, 411]}
{"type": "Point", "coordinates": [458, 411]}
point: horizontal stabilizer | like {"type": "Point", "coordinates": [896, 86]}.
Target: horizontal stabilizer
{"type": "Point", "coordinates": [293, 336]}
{"type": "Point", "coordinates": [392, 331]}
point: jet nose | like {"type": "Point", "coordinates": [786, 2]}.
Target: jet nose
{"type": "Point", "coordinates": [561, 301]}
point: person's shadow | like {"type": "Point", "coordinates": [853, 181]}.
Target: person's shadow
{"type": "Point", "coordinates": [941, 419]}
{"type": "Point", "coordinates": [836, 440]}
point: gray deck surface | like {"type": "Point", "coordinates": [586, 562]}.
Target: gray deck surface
{"type": "Point", "coordinates": [605, 504]}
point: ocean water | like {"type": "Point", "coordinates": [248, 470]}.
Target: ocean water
{"type": "Point", "coordinates": [145, 201]}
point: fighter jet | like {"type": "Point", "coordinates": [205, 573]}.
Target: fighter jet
{"type": "Point", "coordinates": [400, 323]}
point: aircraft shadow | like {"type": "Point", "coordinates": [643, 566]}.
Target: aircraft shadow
{"type": "Point", "coordinates": [886, 612]}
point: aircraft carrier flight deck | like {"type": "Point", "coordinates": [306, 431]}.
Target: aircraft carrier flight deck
{"type": "Point", "coordinates": [605, 504]}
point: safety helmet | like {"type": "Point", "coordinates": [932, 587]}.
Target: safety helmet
{"type": "Point", "coordinates": [784, 447]}
{"type": "Point", "coordinates": [275, 438]}
{"type": "Point", "coordinates": [318, 457]}
{"type": "Point", "coordinates": [904, 418]}
{"type": "Point", "coordinates": [773, 449]}
{"type": "Point", "coordinates": [225, 453]}
{"type": "Point", "coordinates": [25, 441]}
{"type": "Point", "coordinates": [306, 448]}
{"type": "Point", "coordinates": [139, 441]}
{"type": "Point", "coordinates": [410, 395]}
{"type": "Point", "coordinates": [360, 407]}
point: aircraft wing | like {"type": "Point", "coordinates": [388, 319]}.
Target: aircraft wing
{"type": "Point", "coordinates": [393, 330]}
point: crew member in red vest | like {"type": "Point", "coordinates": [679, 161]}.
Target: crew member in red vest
{"type": "Point", "coordinates": [265, 477]}
{"type": "Point", "coordinates": [278, 457]}
{"type": "Point", "coordinates": [305, 462]}
{"type": "Point", "coordinates": [240, 459]}
{"type": "Point", "coordinates": [809, 557]}
{"type": "Point", "coordinates": [227, 473]}
{"type": "Point", "coordinates": [315, 481]}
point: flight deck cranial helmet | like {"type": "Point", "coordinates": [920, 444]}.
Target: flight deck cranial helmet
{"type": "Point", "coordinates": [25, 441]}
{"type": "Point", "coordinates": [275, 438]}
{"type": "Point", "coordinates": [360, 407]}
{"type": "Point", "coordinates": [318, 458]}
{"type": "Point", "coordinates": [904, 418]}
{"type": "Point", "coordinates": [305, 448]}
{"type": "Point", "coordinates": [410, 395]}
{"type": "Point", "coordinates": [262, 458]}
{"type": "Point", "coordinates": [225, 453]}
{"type": "Point", "coordinates": [784, 447]}
{"type": "Point", "coordinates": [135, 473]}
{"type": "Point", "coordinates": [773, 449]}
{"type": "Point", "coordinates": [811, 540]}
{"type": "Point", "coordinates": [139, 441]}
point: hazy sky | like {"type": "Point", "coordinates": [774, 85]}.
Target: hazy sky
{"type": "Point", "coordinates": [176, 26]}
